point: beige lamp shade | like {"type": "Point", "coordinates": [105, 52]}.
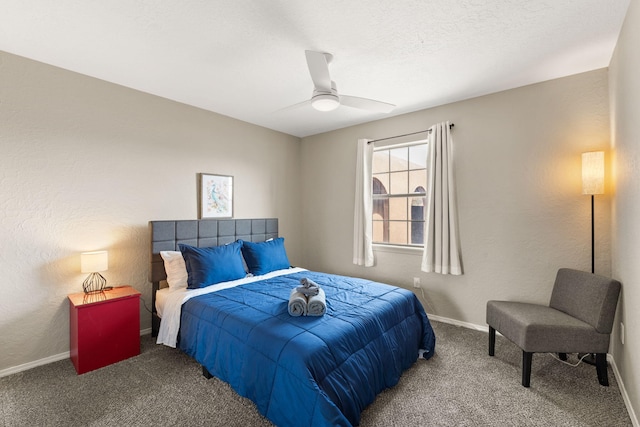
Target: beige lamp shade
{"type": "Point", "coordinates": [593, 172]}
{"type": "Point", "coordinates": [92, 262]}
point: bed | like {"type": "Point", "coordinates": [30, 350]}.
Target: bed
{"type": "Point", "coordinates": [306, 370]}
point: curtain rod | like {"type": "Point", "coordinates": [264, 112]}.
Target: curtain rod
{"type": "Point", "coordinates": [406, 134]}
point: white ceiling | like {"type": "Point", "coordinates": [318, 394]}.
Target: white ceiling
{"type": "Point", "coordinates": [245, 58]}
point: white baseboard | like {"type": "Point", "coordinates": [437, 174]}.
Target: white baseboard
{"type": "Point", "coordinates": [610, 359]}
{"type": "Point", "coordinates": [623, 392]}
{"type": "Point", "coordinates": [481, 328]}
{"type": "Point", "coordinates": [47, 360]}
{"type": "Point", "coordinates": [35, 363]}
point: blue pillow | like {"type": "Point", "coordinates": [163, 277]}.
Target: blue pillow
{"type": "Point", "coordinates": [208, 266]}
{"type": "Point", "coordinates": [264, 257]}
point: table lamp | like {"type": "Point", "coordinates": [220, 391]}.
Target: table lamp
{"type": "Point", "coordinates": [94, 263]}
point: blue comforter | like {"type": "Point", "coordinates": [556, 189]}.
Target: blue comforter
{"type": "Point", "coordinates": [307, 371]}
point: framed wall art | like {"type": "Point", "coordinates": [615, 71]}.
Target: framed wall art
{"type": "Point", "coordinates": [216, 196]}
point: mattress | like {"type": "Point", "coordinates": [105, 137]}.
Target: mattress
{"type": "Point", "coordinates": [161, 298]}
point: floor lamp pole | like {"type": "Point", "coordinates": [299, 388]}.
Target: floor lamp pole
{"type": "Point", "coordinates": [591, 358]}
{"type": "Point", "coordinates": [593, 258]}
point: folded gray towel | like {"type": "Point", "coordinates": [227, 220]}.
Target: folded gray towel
{"type": "Point", "coordinates": [309, 292]}
{"type": "Point", "coordinates": [317, 305]}
{"type": "Point", "coordinates": [308, 288]}
{"type": "Point", "coordinates": [297, 304]}
{"type": "Point", "coordinates": [307, 283]}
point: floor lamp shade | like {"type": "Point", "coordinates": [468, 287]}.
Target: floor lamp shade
{"type": "Point", "coordinates": [593, 172]}
{"type": "Point", "coordinates": [94, 262]}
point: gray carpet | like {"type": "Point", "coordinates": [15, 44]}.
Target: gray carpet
{"type": "Point", "coordinates": [460, 386]}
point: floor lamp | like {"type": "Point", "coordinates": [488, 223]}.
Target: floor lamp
{"type": "Point", "coordinates": [592, 184]}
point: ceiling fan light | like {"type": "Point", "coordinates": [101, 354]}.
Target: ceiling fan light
{"type": "Point", "coordinates": [325, 102]}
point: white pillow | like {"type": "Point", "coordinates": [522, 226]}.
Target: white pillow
{"type": "Point", "coordinates": [176, 269]}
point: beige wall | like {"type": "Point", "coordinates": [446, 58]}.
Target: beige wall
{"type": "Point", "coordinates": [624, 83]}
{"type": "Point", "coordinates": [518, 170]}
{"type": "Point", "coordinates": [84, 165]}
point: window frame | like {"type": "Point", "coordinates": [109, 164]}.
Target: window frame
{"type": "Point", "coordinates": [399, 247]}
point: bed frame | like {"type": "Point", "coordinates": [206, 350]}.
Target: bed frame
{"type": "Point", "coordinates": [166, 235]}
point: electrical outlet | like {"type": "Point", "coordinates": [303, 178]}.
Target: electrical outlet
{"type": "Point", "coordinates": [416, 282]}
{"type": "Point", "coordinates": [622, 332]}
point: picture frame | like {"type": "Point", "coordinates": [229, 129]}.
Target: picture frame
{"type": "Point", "coordinates": [215, 196]}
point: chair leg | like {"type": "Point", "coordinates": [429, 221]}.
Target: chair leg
{"type": "Point", "coordinates": [492, 341]}
{"type": "Point", "coordinates": [526, 368]}
{"type": "Point", "coordinates": [601, 369]}
{"type": "Point", "coordinates": [562, 356]}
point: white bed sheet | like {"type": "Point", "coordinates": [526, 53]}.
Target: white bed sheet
{"type": "Point", "coordinates": [173, 300]}
{"type": "Point", "coordinates": [161, 297]}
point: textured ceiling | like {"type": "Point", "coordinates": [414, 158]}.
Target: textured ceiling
{"type": "Point", "coordinates": [245, 58]}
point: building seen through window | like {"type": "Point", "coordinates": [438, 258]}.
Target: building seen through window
{"type": "Point", "coordinates": [399, 191]}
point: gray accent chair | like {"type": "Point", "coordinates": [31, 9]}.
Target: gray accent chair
{"type": "Point", "coordinates": [579, 319]}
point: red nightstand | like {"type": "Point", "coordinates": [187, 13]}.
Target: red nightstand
{"type": "Point", "coordinates": [105, 327]}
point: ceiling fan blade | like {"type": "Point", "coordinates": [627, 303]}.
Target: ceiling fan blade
{"type": "Point", "coordinates": [295, 106]}
{"type": "Point", "coordinates": [366, 104]}
{"type": "Point", "coordinates": [319, 70]}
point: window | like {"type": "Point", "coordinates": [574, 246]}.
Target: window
{"type": "Point", "coordinates": [399, 193]}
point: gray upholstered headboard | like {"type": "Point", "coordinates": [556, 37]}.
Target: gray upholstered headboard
{"type": "Point", "coordinates": [166, 235]}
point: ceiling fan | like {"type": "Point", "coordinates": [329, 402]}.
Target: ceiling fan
{"type": "Point", "coordinates": [325, 95]}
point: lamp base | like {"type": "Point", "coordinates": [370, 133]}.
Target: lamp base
{"type": "Point", "coordinates": [94, 283]}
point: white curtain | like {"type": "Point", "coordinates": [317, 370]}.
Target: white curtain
{"type": "Point", "coordinates": [441, 239]}
{"type": "Point", "coordinates": [362, 224]}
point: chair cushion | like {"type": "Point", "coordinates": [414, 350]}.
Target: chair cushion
{"type": "Point", "coordinates": [537, 328]}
